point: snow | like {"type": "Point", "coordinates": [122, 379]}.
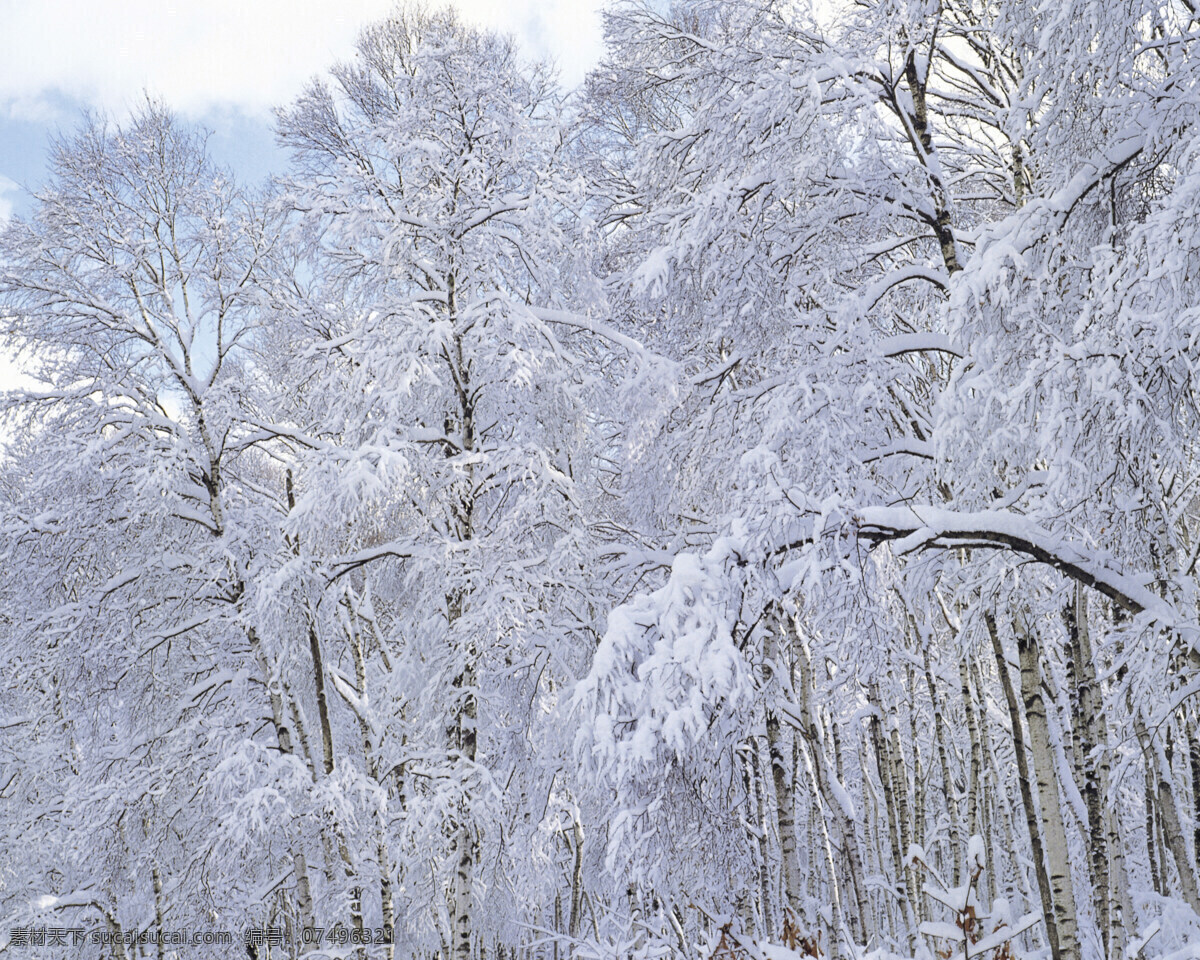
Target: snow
{"type": "Point", "coordinates": [919, 343]}
{"type": "Point", "coordinates": [925, 523]}
{"type": "Point", "coordinates": [842, 796]}
{"type": "Point", "coordinates": [976, 852]}
{"type": "Point", "coordinates": [641, 453]}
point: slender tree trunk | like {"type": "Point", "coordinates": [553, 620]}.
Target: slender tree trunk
{"type": "Point", "coordinates": [466, 721]}
{"type": "Point", "coordinates": [785, 804]}
{"type": "Point", "coordinates": [1057, 855]}
{"type": "Point", "coordinates": [576, 878]}
{"type": "Point", "coordinates": [1024, 780]}
{"type": "Point", "coordinates": [158, 908]}
{"type": "Point", "coordinates": [975, 810]}
{"type": "Point", "coordinates": [875, 825]}
{"type": "Point", "coordinates": [969, 707]}
{"type": "Point", "coordinates": [953, 810]}
{"type": "Point", "coordinates": [894, 779]}
{"type": "Point", "coordinates": [1159, 774]}
{"type": "Point", "coordinates": [811, 729]}
{"type": "Point", "coordinates": [835, 892]}
{"type": "Point", "coordinates": [753, 823]}
{"type": "Point", "coordinates": [118, 946]}
{"type": "Point", "coordinates": [905, 806]}
{"type": "Point", "coordinates": [634, 899]}
{"type": "Point", "coordinates": [386, 903]}
{"type": "Point", "coordinates": [464, 876]}
{"type": "Point", "coordinates": [923, 147]}
{"type": "Point", "coordinates": [283, 737]}
{"type": "Point", "coordinates": [919, 824]}
{"type": "Point", "coordinates": [318, 671]}
{"type": "Point", "coordinates": [327, 758]}
{"type": "Point", "coordinates": [994, 815]}
{"type": "Point", "coordinates": [1152, 855]}
{"type": "Point", "coordinates": [758, 791]}
{"type": "Point", "coordinates": [1089, 728]}
{"type": "Point", "coordinates": [900, 784]}
{"type": "Point", "coordinates": [677, 925]}
{"type": "Point", "coordinates": [856, 876]}
{"type": "Point", "coordinates": [1122, 914]}
{"type": "Point", "coordinates": [317, 663]}
{"type": "Point", "coordinates": [466, 843]}
{"type": "Point", "coordinates": [883, 764]}
{"type": "Point", "coordinates": [1194, 761]}
{"type": "Point", "coordinates": [314, 650]}
{"type": "Point", "coordinates": [558, 921]}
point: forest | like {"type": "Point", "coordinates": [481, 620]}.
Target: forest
{"type": "Point", "coordinates": [744, 508]}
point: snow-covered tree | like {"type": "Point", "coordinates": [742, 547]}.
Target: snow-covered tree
{"type": "Point", "coordinates": [744, 509]}
{"type": "Point", "coordinates": [438, 413]}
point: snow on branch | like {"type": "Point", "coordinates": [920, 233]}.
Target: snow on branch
{"type": "Point", "coordinates": [595, 327]}
{"type": "Point", "coordinates": [1044, 216]}
{"type": "Point", "coordinates": [874, 292]}
{"type": "Point", "coordinates": [919, 343]}
{"type": "Point", "coordinates": [922, 526]}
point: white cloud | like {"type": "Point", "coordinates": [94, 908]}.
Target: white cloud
{"type": "Point", "coordinates": [567, 31]}
{"type": "Point", "coordinates": [251, 54]}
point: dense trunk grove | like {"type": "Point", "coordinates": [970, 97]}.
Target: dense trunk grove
{"type": "Point", "coordinates": [741, 509]}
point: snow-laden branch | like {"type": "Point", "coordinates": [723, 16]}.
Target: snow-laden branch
{"type": "Point", "coordinates": [922, 526]}
{"type": "Point", "coordinates": [871, 294]}
{"type": "Point", "coordinates": [913, 448]}
{"type": "Point", "coordinates": [1045, 216]}
{"type": "Point", "coordinates": [597, 328]}
{"type": "Point", "coordinates": [919, 343]}
{"type": "Point", "coordinates": [396, 550]}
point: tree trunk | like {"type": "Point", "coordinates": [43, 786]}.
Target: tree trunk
{"type": "Point", "coordinates": [576, 879]}
{"type": "Point", "coordinates": [327, 760]}
{"type": "Point", "coordinates": [1159, 774]}
{"type": "Point", "coordinates": [900, 785]}
{"type": "Point", "coordinates": [283, 737]}
{"type": "Point", "coordinates": [1089, 730]}
{"type": "Point", "coordinates": [158, 907]}
{"type": "Point", "coordinates": [314, 650]}
{"type": "Point", "coordinates": [1057, 855]}
{"type": "Point", "coordinates": [883, 764]}
{"type": "Point", "coordinates": [386, 904]}
{"type": "Point", "coordinates": [919, 825]}
{"type": "Point", "coordinates": [819, 765]}
{"type": "Point", "coordinates": [464, 874]}
{"type": "Point", "coordinates": [924, 148]}
{"type": "Point", "coordinates": [953, 810]}
{"type": "Point", "coordinates": [1122, 914]}
{"type": "Point", "coordinates": [465, 839]}
{"type": "Point", "coordinates": [1023, 780]}
{"type": "Point", "coordinates": [753, 823]}
{"type": "Point", "coordinates": [785, 804]}
{"type": "Point", "coordinates": [975, 809]}
{"type": "Point", "coordinates": [1194, 760]}
{"type": "Point", "coordinates": [1152, 854]}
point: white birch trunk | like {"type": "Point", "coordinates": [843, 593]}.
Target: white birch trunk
{"type": "Point", "coordinates": [1058, 866]}
{"type": "Point", "coordinates": [785, 804]}
{"type": "Point", "coordinates": [283, 736]}
{"type": "Point", "coordinates": [1089, 734]}
{"type": "Point", "coordinates": [1159, 775]}
{"type": "Point", "coordinates": [1023, 780]}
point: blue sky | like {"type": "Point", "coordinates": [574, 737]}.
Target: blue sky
{"type": "Point", "coordinates": [223, 63]}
